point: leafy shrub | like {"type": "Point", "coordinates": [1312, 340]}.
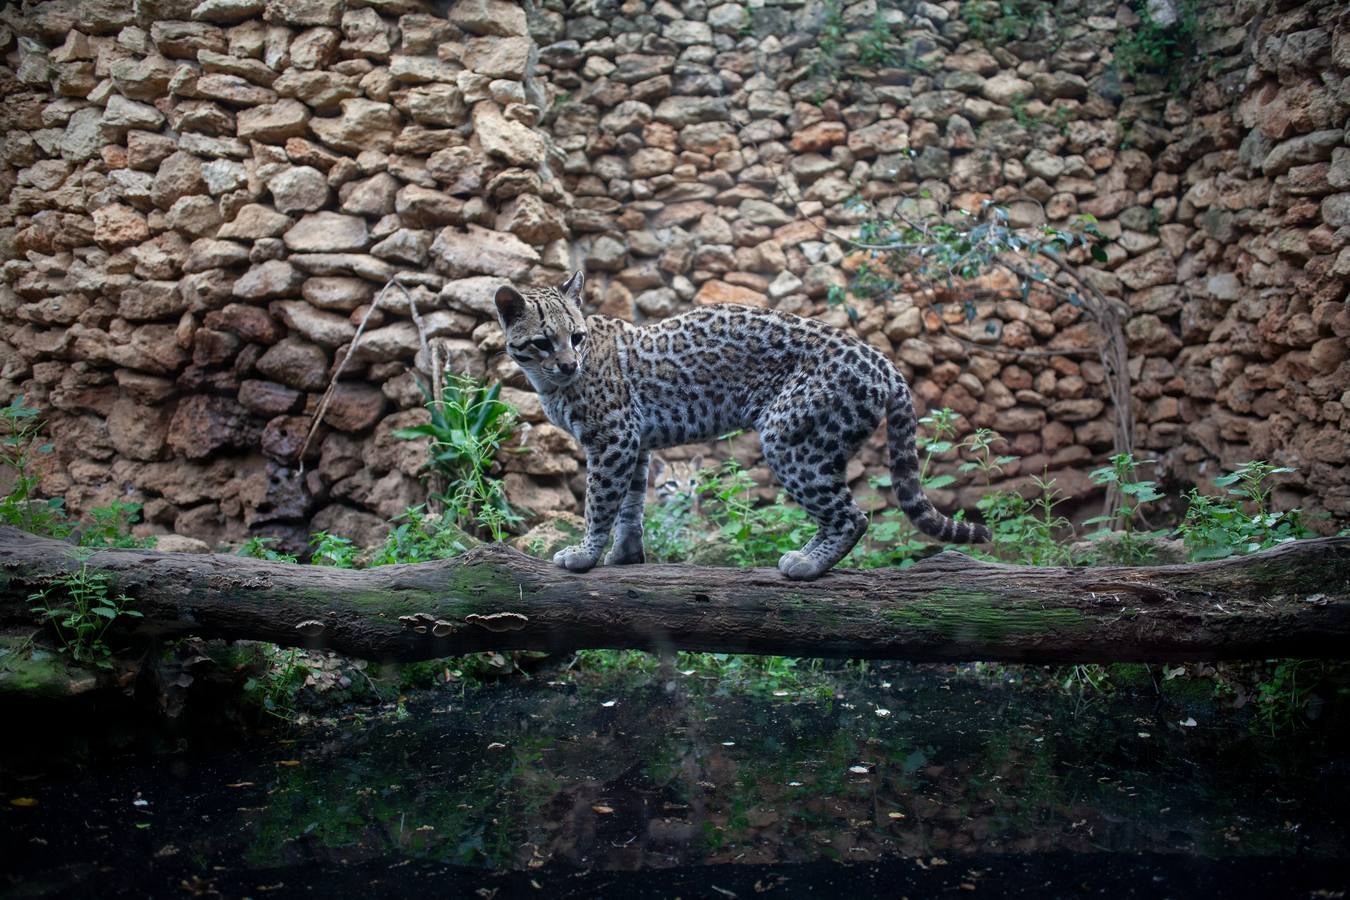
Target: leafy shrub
{"type": "Point", "coordinates": [81, 608]}
{"type": "Point", "coordinates": [1154, 48]}
{"type": "Point", "coordinates": [261, 548]}
{"type": "Point", "coordinates": [419, 537]}
{"type": "Point", "coordinates": [1133, 546]}
{"type": "Point", "coordinates": [111, 527]}
{"type": "Point", "coordinates": [469, 424]}
{"type": "Point", "coordinates": [1218, 527]}
{"type": "Point", "coordinates": [332, 550]}
{"type": "Point", "coordinates": [20, 440]}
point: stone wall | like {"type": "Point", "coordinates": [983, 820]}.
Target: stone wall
{"type": "Point", "coordinates": [203, 199]}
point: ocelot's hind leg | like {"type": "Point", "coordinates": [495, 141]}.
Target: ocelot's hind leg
{"type": "Point", "coordinates": [802, 468]}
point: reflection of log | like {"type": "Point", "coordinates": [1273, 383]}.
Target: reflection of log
{"type": "Point", "coordinates": [1290, 601]}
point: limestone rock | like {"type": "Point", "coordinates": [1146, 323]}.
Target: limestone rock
{"type": "Point", "coordinates": [295, 363]}
{"type": "Point", "coordinates": [255, 221]}
{"type": "Point", "coordinates": [503, 138]}
{"type": "Point", "coordinates": [203, 424]}
{"type": "Point", "coordinates": [272, 279]}
{"type": "Point", "coordinates": [354, 406]}
{"type": "Point", "coordinates": [478, 251]}
{"type": "Point", "coordinates": [298, 189]}
{"type": "Point", "coordinates": [327, 232]}
{"type": "Point", "coordinates": [273, 123]}
{"type": "Point", "coordinates": [363, 125]}
{"type": "Point", "coordinates": [324, 328]}
{"type": "Point", "coordinates": [499, 18]}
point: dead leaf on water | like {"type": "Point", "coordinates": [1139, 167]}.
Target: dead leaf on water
{"type": "Point", "coordinates": [23, 802]}
{"type": "Point", "coordinates": [288, 763]}
{"type": "Point", "coordinates": [601, 809]}
{"type": "Point", "coordinates": [240, 784]}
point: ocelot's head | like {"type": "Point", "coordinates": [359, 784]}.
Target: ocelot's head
{"type": "Point", "coordinates": [545, 331]}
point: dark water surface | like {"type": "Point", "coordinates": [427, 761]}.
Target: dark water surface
{"type": "Point", "coordinates": [894, 780]}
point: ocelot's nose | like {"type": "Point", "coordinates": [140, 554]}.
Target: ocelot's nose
{"type": "Point", "coordinates": [567, 368]}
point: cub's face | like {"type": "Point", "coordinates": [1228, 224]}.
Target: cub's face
{"type": "Point", "coordinates": [545, 332]}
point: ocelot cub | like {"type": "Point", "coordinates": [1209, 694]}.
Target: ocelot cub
{"type": "Point", "coordinates": [813, 393]}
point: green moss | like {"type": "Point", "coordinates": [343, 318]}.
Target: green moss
{"type": "Point", "coordinates": [980, 615]}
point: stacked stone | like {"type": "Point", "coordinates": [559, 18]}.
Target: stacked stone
{"type": "Point", "coordinates": [1263, 155]}
{"type": "Point", "coordinates": [712, 151]}
{"type": "Point", "coordinates": [203, 200]}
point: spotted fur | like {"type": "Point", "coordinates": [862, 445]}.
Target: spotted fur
{"type": "Point", "coordinates": [813, 393]}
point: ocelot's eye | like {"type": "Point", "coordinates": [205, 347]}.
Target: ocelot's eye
{"type": "Point", "coordinates": [543, 343]}
{"type": "Point", "coordinates": [578, 338]}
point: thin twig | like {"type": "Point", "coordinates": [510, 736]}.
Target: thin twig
{"type": "Point", "coordinates": [327, 397]}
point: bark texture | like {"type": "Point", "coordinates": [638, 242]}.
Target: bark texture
{"type": "Point", "coordinates": [1293, 600]}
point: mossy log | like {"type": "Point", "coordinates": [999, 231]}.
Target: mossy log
{"type": "Point", "coordinates": [1293, 600]}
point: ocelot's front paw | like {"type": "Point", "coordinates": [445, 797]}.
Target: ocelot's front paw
{"type": "Point", "coordinates": [574, 559]}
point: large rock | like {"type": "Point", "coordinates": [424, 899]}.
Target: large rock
{"type": "Point", "coordinates": [117, 226]}
{"type": "Point", "coordinates": [305, 12]}
{"type": "Point", "coordinates": [269, 280]}
{"type": "Point", "coordinates": [273, 123]}
{"type": "Point", "coordinates": [478, 251]}
{"type": "Point", "coordinates": [499, 18]}
{"type": "Point", "coordinates": [363, 125]}
{"type": "Point", "coordinates": [138, 431]}
{"type": "Point", "coordinates": [721, 292]}
{"type": "Point", "coordinates": [324, 328]}
{"type": "Point", "coordinates": [337, 292]}
{"type": "Point", "coordinates": [203, 424]}
{"type": "Point", "coordinates": [299, 189]}
{"type": "Point", "coordinates": [372, 197]}
{"type": "Point", "coordinates": [179, 175]}
{"type": "Point", "coordinates": [501, 137]}
{"type": "Point", "coordinates": [354, 406]}
{"type": "Point", "coordinates": [296, 363]}
{"type": "Point", "coordinates": [327, 232]}
{"type": "Point", "coordinates": [255, 221]}
{"type": "Point", "coordinates": [532, 220]}
{"type": "Point", "coordinates": [500, 57]}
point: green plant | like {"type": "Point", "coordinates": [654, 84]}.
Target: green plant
{"type": "Point", "coordinates": [1155, 48]}
{"type": "Point", "coordinates": [276, 688]}
{"type": "Point", "coordinates": [81, 608]}
{"type": "Point", "coordinates": [1122, 474]}
{"type": "Point", "coordinates": [1027, 531]}
{"type": "Point", "coordinates": [755, 535]}
{"type": "Point", "coordinates": [1009, 20]}
{"type": "Point", "coordinates": [261, 548]}
{"type": "Point", "coordinates": [833, 33]}
{"type": "Point", "coordinates": [668, 529]}
{"type": "Point", "coordinates": [1217, 527]}
{"type": "Point", "coordinates": [469, 424]}
{"type": "Point", "coordinates": [331, 550]}
{"type": "Point", "coordinates": [20, 439]}
{"type": "Point", "coordinates": [418, 537]}
{"type": "Point", "coordinates": [1281, 699]}
{"type": "Point", "coordinates": [111, 526]}
{"type": "Point", "coordinates": [876, 46]}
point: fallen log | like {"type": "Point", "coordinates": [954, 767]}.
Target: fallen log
{"type": "Point", "coordinates": [1293, 600]}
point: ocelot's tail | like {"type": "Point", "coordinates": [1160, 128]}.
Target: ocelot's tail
{"type": "Point", "coordinates": [901, 426]}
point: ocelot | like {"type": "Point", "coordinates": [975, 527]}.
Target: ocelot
{"type": "Point", "coordinates": [813, 393]}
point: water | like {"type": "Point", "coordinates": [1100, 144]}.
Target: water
{"type": "Point", "coordinates": [925, 778]}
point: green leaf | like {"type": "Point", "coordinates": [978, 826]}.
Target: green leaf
{"type": "Point", "coordinates": [1099, 253]}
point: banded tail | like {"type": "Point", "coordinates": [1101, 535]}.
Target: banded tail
{"type": "Point", "coordinates": [901, 427]}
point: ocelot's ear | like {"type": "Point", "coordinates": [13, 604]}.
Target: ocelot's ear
{"type": "Point", "coordinates": [571, 288]}
{"type": "Point", "coordinates": [510, 304]}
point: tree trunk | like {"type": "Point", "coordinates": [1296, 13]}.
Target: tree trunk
{"type": "Point", "coordinates": [1293, 600]}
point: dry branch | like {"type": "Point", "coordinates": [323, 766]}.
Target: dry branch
{"type": "Point", "coordinates": [1293, 600]}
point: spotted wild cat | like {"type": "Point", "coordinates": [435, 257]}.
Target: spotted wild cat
{"type": "Point", "coordinates": [813, 393]}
